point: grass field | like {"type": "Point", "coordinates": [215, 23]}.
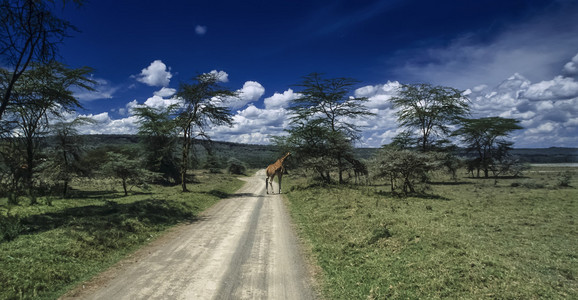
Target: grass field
{"type": "Point", "coordinates": [467, 239]}
{"type": "Point", "coordinates": [47, 249]}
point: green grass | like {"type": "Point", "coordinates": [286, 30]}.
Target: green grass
{"type": "Point", "coordinates": [53, 248]}
{"type": "Point", "coordinates": [470, 239]}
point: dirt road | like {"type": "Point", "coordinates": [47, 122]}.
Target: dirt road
{"type": "Point", "coordinates": [242, 248]}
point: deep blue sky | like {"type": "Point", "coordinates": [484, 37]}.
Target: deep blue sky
{"type": "Point", "coordinates": [474, 45]}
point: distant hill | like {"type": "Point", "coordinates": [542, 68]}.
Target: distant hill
{"type": "Point", "coordinates": [255, 156]}
{"type": "Point", "coordinates": [547, 155]}
{"type": "Point", "coordinates": [259, 156]}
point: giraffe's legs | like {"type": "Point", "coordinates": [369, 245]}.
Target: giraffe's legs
{"type": "Point", "coordinates": [269, 181]}
{"type": "Point", "coordinates": [280, 176]}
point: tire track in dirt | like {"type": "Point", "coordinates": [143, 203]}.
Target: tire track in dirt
{"type": "Point", "coordinates": [241, 248]}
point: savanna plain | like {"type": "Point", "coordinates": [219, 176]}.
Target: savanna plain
{"type": "Point", "coordinates": [474, 238]}
{"type": "Point", "coordinates": [49, 248]}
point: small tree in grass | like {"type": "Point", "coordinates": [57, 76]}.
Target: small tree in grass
{"type": "Point", "coordinates": [405, 169]}
{"type": "Point", "coordinates": [129, 171]}
{"type": "Point", "coordinates": [485, 139]}
{"type": "Point", "coordinates": [237, 167]}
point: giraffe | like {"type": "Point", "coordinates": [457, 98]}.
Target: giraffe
{"type": "Point", "coordinates": [275, 169]}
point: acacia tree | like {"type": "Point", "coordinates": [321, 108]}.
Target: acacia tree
{"type": "Point", "coordinates": [429, 110]}
{"type": "Point", "coordinates": [158, 131]}
{"type": "Point", "coordinates": [485, 137]}
{"type": "Point", "coordinates": [29, 32]}
{"type": "Point", "coordinates": [311, 144]}
{"type": "Point", "coordinates": [326, 106]}
{"type": "Point", "coordinates": [127, 170]}
{"type": "Point", "coordinates": [404, 168]}
{"type": "Point", "coordinates": [67, 154]}
{"type": "Point", "coordinates": [43, 92]}
{"type": "Point", "coordinates": [202, 106]}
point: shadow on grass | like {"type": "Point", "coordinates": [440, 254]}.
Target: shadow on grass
{"type": "Point", "coordinates": [411, 195]}
{"type": "Point", "coordinates": [130, 217]}
{"type": "Point", "coordinates": [218, 194]}
{"type": "Point", "coordinates": [450, 183]}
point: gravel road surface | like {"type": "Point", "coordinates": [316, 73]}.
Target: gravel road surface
{"type": "Point", "coordinates": [244, 247]}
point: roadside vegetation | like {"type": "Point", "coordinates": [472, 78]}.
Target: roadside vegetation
{"type": "Point", "coordinates": [405, 221]}
{"type": "Point", "coordinates": [470, 238]}
{"type": "Point", "coordinates": [47, 249]}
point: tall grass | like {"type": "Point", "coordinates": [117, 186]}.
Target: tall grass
{"type": "Point", "coordinates": [52, 248]}
{"type": "Point", "coordinates": [468, 239]}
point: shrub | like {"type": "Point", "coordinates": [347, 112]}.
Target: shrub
{"type": "Point", "coordinates": [405, 169]}
{"type": "Point", "coordinates": [10, 227]}
{"type": "Point", "coordinates": [564, 179]}
{"type": "Point", "coordinates": [236, 167]}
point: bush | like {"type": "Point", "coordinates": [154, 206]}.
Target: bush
{"type": "Point", "coordinates": [564, 179]}
{"type": "Point", "coordinates": [10, 227]}
{"type": "Point", "coordinates": [405, 169]}
{"type": "Point", "coordinates": [236, 167]}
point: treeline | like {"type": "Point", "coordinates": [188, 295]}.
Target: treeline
{"type": "Point", "coordinates": [37, 100]}
{"type": "Point", "coordinates": [325, 124]}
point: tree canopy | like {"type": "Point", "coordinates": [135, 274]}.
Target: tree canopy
{"type": "Point", "coordinates": [322, 123]}
{"type": "Point", "coordinates": [202, 105]}
{"type": "Point", "coordinates": [429, 110]}
{"type": "Point", "coordinates": [485, 137]}
{"type": "Point", "coordinates": [29, 32]}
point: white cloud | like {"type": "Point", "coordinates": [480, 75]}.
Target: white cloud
{"type": "Point", "coordinates": [571, 67]}
{"type": "Point", "coordinates": [254, 125]}
{"type": "Point", "coordinates": [558, 88]}
{"type": "Point", "coordinates": [102, 90]}
{"type": "Point", "coordinates": [547, 109]}
{"type": "Point", "coordinates": [222, 76]}
{"type": "Point", "coordinates": [156, 74]}
{"type": "Point", "coordinates": [251, 92]}
{"type": "Point", "coordinates": [165, 92]}
{"type": "Point", "coordinates": [536, 48]}
{"type": "Point", "coordinates": [106, 125]}
{"type": "Point", "coordinates": [200, 29]}
{"type": "Point", "coordinates": [379, 95]}
{"type": "Point", "coordinates": [160, 102]}
{"type": "Point", "coordinates": [280, 100]}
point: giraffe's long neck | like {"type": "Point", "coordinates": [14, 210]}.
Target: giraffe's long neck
{"type": "Point", "coordinates": [282, 159]}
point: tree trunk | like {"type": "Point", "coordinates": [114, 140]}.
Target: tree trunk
{"type": "Point", "coordinates": [124, 187]}
{"type": "Point", "coordinates": [340, 167]}
{"type": "Point", "coordinates": [65, 189]}
{"type": "Point", "coordinates": [185, 160]}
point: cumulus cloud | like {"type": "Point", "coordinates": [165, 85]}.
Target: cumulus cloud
{"type": "Point", "coordinates": [280, 100]}
{"type": "Point", "coordinates": [379, 95]}
{"type": "Point", "coordinates": [165, 92]}
{"type": "Point", "coordinates": [254, 125]}
{"type": "Point", "coordinates": [547, 109]}
{"type": "Point", "coordinates": [160, 102]}
{"type": "Point", "coordinates": [222, 76]}
{"type": "Point", "coordinates": [556, 89]}
{"type": "Point", "coordinates": [156, 74]}
{"type": "Point", "coordinates": [571, 67]}
{"type": "Point", "coordinates": [106, 125]}
{"type": "Point", "coordinates": [200, 30]}
{"type": "Point", "coordinates": [251, 92]}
